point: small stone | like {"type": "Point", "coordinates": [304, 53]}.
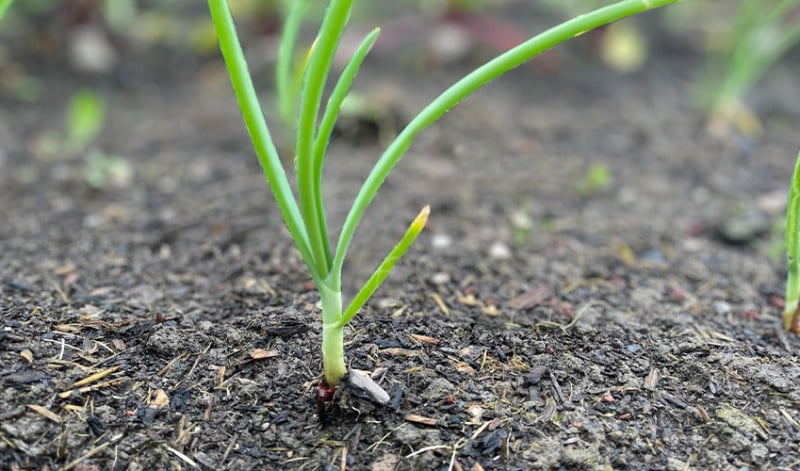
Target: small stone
{"type": "Point", "coordinates": [721, 307]}
{"type": "Point", "coordinates": [91, 51]}
{"type": "Point", "coordinates": [742, 222]}
{"type": "Point", "coordinates": [438, 389]}
{"type": "Point", "coordinates": [412, 435]}
{"type": "Point", "coordinates": [387, 462]}
{"type": "Point", "coordinates": [361, 381]}
{"type": "Point", "coordinates": [449, 44]}
{"type": "Point", "coordinates": [476, 412]}
{"type": "Point", "coordinates": [440, 278]}
{"type": "Point", "coordinates": [499, 251]}
{"type": "Point", "coordinates": [615, 436]}
{"type": "Point", "coordinates": [674, 464]}
{"type": "Point", "coordinates": [441, 241]}
{"type": "Point", "coordinates": [204, 459]}
{"type": "Point", "coordinates": [759, 454]}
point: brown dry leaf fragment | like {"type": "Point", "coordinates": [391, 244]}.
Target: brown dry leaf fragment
{"type": "Point", "coordinates": [531, 298]}
{"type": "Point", "coordinates": [160, 399]}
{"type": "Point", "coordinates": [220, 376]}
{"type": "Point", "coordinates": [786, 415]}
{"type": "Point", "coordinates": [439, 302]}
{"type": "Point", "coordinates": [462, 367]}
{"type": "Point", "coordinates": [468, 300]}
{"type": "Point", "coordinates": [549, 409]}
{"type": "Point", "coordinates": [703, 414]}
{"type": "Point", "coordinates": [68, 328]}
{"type": "Point", "coordinates": [418, 419]}
{"type": "Point", "coordinates": [494, 423]}
{"type": "Point", "coordinates": [93, 387]}
{"type": "Point", "coordinates": [399, 312]}
{"type": "Point", "coordinates": [651, 381]}
{"type": "Point", "coordinates": [95, 377]}
{"type": "Point", "coordinates": [490, 310]}
{"type": "Point", "coordinates": [260, 353]}
{"type": "Point", "coordinates": [470, 352]}
{"type": "Point", "coordinates": [45, 412]}
{"type": "Point", "coordinates": [424, 339]}
{"type": "Point", "coordinates": [477, 467]}
{"type": "Point", "coordinates": [101, 291]}
{"type": "Point", "coordinates": [27, 355]}
{"type": "Point", "coordinates": [399, 352]}
{"type": "Point", "coordinates": [64, 269]}
{"type": "Point", "coordinates": [183, 457]}
{"type": "Point", "coordinates": [476, 411]}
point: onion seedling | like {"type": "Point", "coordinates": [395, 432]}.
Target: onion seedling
{"type": "Point", "coordinates": [761, 34]}
{"type": "Point", "coordinates": [791, 311]}
{"type": "Point", "coordinates": [4, 4]}
{"type": "Point", "coordinates": [305, 216]}
{"type": "Point", "coordinates": [289, 69]}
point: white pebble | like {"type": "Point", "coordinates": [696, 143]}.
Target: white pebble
{"type": "Point", "coordinates": [499, 251]}
{"type": "Point", "coordinates": [441, 241]}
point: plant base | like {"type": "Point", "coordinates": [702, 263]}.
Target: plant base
{"type": "Point", "coordinates": [791, 320]}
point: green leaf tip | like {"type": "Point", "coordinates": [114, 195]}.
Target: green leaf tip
{"type": "Point", "coordinates": [422, 218]}
{"type": "Point", "coordinates": [380, 274]}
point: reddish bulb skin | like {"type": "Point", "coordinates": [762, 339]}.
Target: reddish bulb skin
{"type": "Point", "coordinates": [323, 395]}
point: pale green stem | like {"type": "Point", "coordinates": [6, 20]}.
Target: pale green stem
{"type": "Point", "coordinates": [793, 252]}
{"type": "Point", "coordinates": [332, 335]}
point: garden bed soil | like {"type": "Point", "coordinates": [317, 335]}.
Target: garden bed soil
{"type": "Point", "coordinates": [164, 321]}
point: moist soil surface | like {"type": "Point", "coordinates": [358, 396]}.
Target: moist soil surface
{"type": "Point", "coordinates": [163, 320]}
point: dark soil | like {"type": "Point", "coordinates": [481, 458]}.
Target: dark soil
{"type": "Point", "coordinates": [164, 321]}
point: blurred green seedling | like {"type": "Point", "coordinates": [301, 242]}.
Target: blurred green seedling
{"type": "Point", "coordinates": [775, 244]}
{"type": "Point", "coordinates": [304, 215]}
{"type": "Point", "coordinates": [291, 64]}
{"type": "Point", "coordinates": [4, 4]}
{"type": "Point", "coordinates": [597, 178]}
{"type": "Point", "coordinates": [102, 170]}
{"type": "Point", "coordinates": [762, 33]}
{"type": "Point", "coordinates": [86, 113]}
{"type": "Point", "coordinates": [84, 120]}
{"type": "Point", "coordinates": [791, 311]}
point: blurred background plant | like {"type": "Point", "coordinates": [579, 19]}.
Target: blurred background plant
{"type": "Point", "coordinates": [742, 40]}
{"type": "Point", "coordinates": [4, 4]}
{"type": "Point", "coordinates": [84, 120]}
{"type": "Point", "coordinates": [756, 35]}
{"type": "Point", "coordinates": [597, 178]}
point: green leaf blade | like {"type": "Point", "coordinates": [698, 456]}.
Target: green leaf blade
{"type": "Point", "coordinates": [316, 74]}
{"type": "Point", "coordinates": [259, 132]}
{"type": "Point", "coordinates": [385, 267]}
{"type": "Point", "coordinates": [287, 99]}
{"type": "Point", "coordinates": [466, 86]}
